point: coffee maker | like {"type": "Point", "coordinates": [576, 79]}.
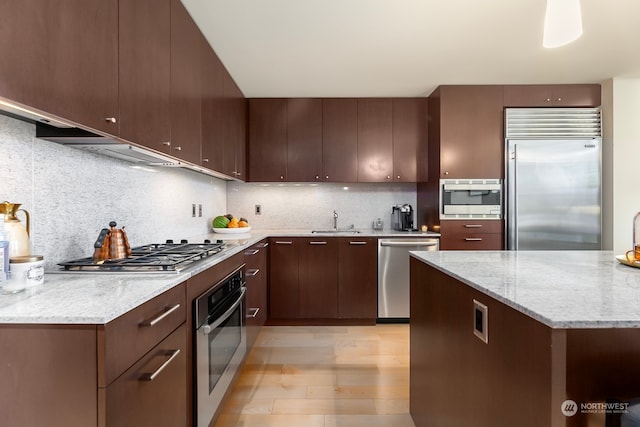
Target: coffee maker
{"type": "Point", "coordinates": [402, 217]}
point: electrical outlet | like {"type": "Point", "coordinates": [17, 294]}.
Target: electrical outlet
{"type": "Point", "coordinates": [258, 210]}
{"type": "Point", "coordinates": [193, 210]}
{"type": "Point", "coordinates": [200, 211]}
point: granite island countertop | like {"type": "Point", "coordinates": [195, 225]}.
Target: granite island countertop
{"type": "Point", "coordinates": [561, 289]}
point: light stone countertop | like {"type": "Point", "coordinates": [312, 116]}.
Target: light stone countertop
{"type": "Point", "coordinates": [98, 298]}
{"type": "Point", "coordinates": [562, 289]}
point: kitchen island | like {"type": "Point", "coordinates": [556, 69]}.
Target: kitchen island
{"type": "Point", "coordinates": [504, 338]}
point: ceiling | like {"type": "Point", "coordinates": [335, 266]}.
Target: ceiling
{"type": "Point", "coordinates": [405, 48]}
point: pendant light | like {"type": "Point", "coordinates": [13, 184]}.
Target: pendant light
{"type": "Point", "coordinates": [562, 22]}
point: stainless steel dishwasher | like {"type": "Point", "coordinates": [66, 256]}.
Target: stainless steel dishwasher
{"type": "Point", "coordinates": [393, 275]}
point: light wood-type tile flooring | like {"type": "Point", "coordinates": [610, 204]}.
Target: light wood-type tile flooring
{"type": "Point", "coordinates": [323, 376]}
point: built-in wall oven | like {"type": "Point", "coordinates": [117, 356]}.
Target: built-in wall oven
{"type": "Point", "coordinates": [220, 342]}
{"type": "Point", "coordinates": [470, 199]}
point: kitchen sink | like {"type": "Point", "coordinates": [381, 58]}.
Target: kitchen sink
{"type": "Point", "coordinates": [335, 231]}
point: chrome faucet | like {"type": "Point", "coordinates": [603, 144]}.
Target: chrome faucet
{"type": "Point", "coordinates": [335, 220]}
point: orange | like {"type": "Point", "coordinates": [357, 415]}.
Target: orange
{"type": "Point", "coordinates": [243, 224]}
{"type": "Point", "coordinates": [232, 224]}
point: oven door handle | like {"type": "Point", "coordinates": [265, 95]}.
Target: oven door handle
{"type": "Point", "coordinates": [207, 328]}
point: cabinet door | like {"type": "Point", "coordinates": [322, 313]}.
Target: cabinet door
{"type": "Point", "coordinates": [61, 57]}
{"type": "Point", "coordinates": [340, 140]}
{"type": "Point", "coordinates": [318, 278]}
{"type": "Point", "coordinates": [357, 278]}
{"type": "Point", "coordinates": [528, 96]}
{"type": "Point", "coordinates": [409, 135]}
{"type": "Point", "coordinates": [267, 140]}
{"type": "Point", "coordinates": [235, 135]}
{"type": "Point", "coordinates": [577, 95]}
{"type": "Point", "coordinates": [375, 149]}
{"type": "Point", "coordinates": [145, 67]}
{"type": "Point", "coordinates": [136, 400]}
{"type": "Point", "coordinates": [213, 109]}
{"type": "Point", "coordinates": [471, 132]}
{"type": "Point", "coordinates": [304, 139]}
{"type": "Point", "coordinates": [472, 235]}
{"type": "Point", "coordinates": [284, 295]}
{"type": "Point", "coordinates": [186, 48]}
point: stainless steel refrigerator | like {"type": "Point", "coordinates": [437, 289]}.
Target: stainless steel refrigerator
{"type": "Point", "coordinates": [553, 179]}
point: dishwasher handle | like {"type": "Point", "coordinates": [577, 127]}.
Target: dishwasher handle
{"type": "Point", "coordinates": [414, 243]}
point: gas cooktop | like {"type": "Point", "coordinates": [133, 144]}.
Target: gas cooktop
{"type": "Point", "coordinates": [166, 257]}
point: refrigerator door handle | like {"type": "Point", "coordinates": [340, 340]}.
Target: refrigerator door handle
{"type": "Point", "coordinates": [512, 202]}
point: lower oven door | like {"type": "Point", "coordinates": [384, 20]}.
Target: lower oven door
{"type": "Point", "coordinates": [220, 348]}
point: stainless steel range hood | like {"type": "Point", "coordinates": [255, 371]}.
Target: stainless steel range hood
{"type": "Point", "coordinates": [84, 140]}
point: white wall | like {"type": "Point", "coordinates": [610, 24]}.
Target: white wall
{"type": "Point", "coordinates": [72, 194]}
{"type": "Point", "coordinates": [311, 206]}
{"type": "Point", "coordinates": [622, 167]}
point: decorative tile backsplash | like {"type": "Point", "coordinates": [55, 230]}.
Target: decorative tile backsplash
{"type": "Point", "coordinates": [310, 206]}
{"type": "Point", "coordinates": [72, 194]}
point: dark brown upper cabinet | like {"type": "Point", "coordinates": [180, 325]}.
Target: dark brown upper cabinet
{"type": "Point", "coordinates": [186, 48]}
{"type": "Point", "coordinates": [213, 109]}
{"type": "Point", "coordinates": [145, 72]}
{"type": "Point", "coordinates": [466, 132]}
{"type": "Point", "coordinates": [375, 140]}
{"type": "Point", "coordinates": [268, 140]}
{"type": "Point", "coordinates": [340, 140]}
{"type": "Point", "coordinates": [409, 138]}
{"type": "Point", "coordinates": [234, 139]}
{"type": "Point", "coordinates": [304, 139]}
{"type": "Point", "coordinates": [62, 58]}
{"type": "Point", "coordinates": [570, 95]}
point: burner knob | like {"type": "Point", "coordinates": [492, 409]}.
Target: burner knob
{"type": "Point", "coordinates": [184, 241]}
{"type": "Point", "coordinates": [219, 241]}
{"type": "Point", "coordinates": [169, 241]}
{"type": "Point", "coordinates": [207, 241]}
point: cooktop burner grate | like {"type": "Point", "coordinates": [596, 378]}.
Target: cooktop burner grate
{"type": "Point", "coordinates": [156, 257]}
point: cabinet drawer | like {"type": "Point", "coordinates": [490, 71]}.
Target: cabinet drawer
{"type": "Point", "coordinates": [124, 340]}
{"type": "Point", "coordinates": [471, 226]}
{"type": "Point", "coordinates": [153, 392]}
{"type": "Point", "coordinates": [472, 241]}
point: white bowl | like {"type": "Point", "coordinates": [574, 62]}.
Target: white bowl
{"type": "Point", "coordinates": [238, 230]}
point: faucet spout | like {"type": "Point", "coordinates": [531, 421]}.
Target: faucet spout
{"type": "Point", "coordinates": [335, 220]}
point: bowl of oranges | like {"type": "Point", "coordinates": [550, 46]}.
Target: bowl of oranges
{"type": "Point", "coordinates": [229, 224]}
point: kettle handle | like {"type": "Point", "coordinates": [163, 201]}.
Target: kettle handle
{"type": "Point", "coordinates": [26, 214]}
{"type": "Point", "coordinates": [103, 234]}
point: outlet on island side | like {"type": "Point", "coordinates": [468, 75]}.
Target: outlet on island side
{"type": "Point", "coordinates": [193, 210]}
{"type": "Point", "coordinates": [199, 211]}
{"type": "Point", "coordinates": [258, 210]}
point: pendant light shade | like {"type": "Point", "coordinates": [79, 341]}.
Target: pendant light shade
{"type": "Point", "coordinates": [562, 22]}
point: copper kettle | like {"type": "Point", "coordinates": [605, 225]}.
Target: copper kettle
{"type": "Point", "coordinates": [111, 244]}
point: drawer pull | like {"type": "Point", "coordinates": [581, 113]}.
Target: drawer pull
{"type": "Point", "coordinates": [255, 312]}
{"type": "Point", "coordinates": [278, 242]}
{"type": "Point", "coordinates": [263, 245]}
{"type": "Point", "coordinates": [473, 239]}
{"type": "Point", "coordinates": [251, 251]}
{"type": "Point", "coordinates": [152, 376]}
{"type": "Point", "coordinates": [252, 272]}
{"type": "Point", "coordinates": [357, 243]}
{"type": "Point", "coordinates": [473, 226]}
{"type": "Point", "coordinates": [317, 243]}
{"type": "Point", "coordinates": [155, 321]}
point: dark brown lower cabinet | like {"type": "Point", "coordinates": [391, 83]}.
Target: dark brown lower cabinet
{"type": "Point", "coordinates": [357, 278]}
{"type": "Point", "coordinates": [323, 278]}
{"type": "Point", "coordinates": [255, 259]}
{"type": "Point", "coordinates": [472, 235]}
{"type": "Point", "coordinates": [148, 394]}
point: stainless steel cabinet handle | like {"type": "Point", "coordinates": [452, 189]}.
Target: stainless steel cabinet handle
{"type": "Point", "coordinates": [152, 376]}
{"type": "Point", "coordinates": [357, 243]}
{"type": "Point", "coordinates": [111, 119]}
{"type": "Point", "coordinates": [251, 251]}
{"type": "Point", "coordinates": [281, 176]}
{"type": "Point", "coordinates": [167, 143]}
{"type": "Point", "coordinates": [155, 321]}
{"type": "Point", "coordinates": [252, 272]}
{"type": "Point", "coordinates": [326, 177]}
{"type": "Point", "coordinates": [178, 148]}
{"type": "Point", "coordinates": [205, 160]}
{"type": "Point", "coordinates": [473, 226]}
{"type": "Point", "coordinates": [263, 245]}
{"type": "Point", "coordinates": [473, 239]}
{"type": "Point", "coordinates": [283, 243]}
{"type": "Point", "coordinates": [408, 243]}
{"type": "Point", "coordinates": [317, 176]}
{"type": "Point", "coordinates": [255, 312]}
{"type": "Point", "coordinates": [317, 243]}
